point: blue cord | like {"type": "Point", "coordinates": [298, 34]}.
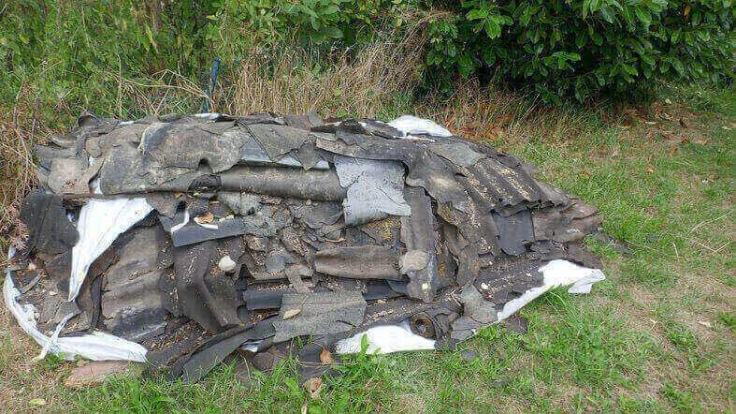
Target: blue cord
{"type": "Point", "coordinates": [212, 84]}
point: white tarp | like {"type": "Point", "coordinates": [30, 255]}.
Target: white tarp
{"type": "Point", "coordinates": [101, 221]}
{"type": "Point", "coordinates": [97, 346]}
{"type": "Point", "coordinates": [396, 338]}
{"type": "Point", "coordinates": [412, 125]}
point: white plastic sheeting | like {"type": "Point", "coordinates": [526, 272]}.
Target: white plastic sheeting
{"type": "Point", "coordinates": [101, 221]}
{"type": "Point", "coordinates": [386, 339]}
{"type": "Point", "coordinates": [97, 346]}
{"type": "Point", "coordinates": [412, 125]}
{"type": "Point", "coordinates": [396, 338]}
{"type": "Point", "coordinates": [556, 273]}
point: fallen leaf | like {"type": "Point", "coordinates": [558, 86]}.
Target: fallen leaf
{"type": "Point", "coordinates": [700, 141]}
{"type": "Point", "coordinates": [95, 373]}
{"type": "Point", "coordinates": [291, 313]}
{"type": "Point", "coordinates": [326, 357]}
{"type": "Point", "coordinates": [666, 116]}
{"type": "Point", "coordinates": [657, 107]}
{"type": "Point", "coordinates": [649, 170]}
{"type": "Point", "coordinates": [706, 324]}
{"type": "Point", "coordinates": [314, 387]}
{"type": "Point", "coordinates": [304, 408]}
{"type": "Point", "coordinates": [685, 141]}
{"type": "Point", "coordinates": [614, 153]}
{"type": "Point", "coordinates": [683, 123]}
{"type": "Point", "coordinates": [37, 402]}
{"type": "Point", "coordinates": [667, 101]}
{"type": "Point", "coordinates": [207, 218]}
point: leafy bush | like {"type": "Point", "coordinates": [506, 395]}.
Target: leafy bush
{"type": "Point", "coordinates": [565, 48]}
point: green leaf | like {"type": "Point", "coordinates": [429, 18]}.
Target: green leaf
{"type": "Point", "coordinates": [606, 13]}
{"type": "Point", "coordinates": [492, 28]}
{"type": "Point", "coordinates": [466, 66]}
{"type": "Point", "coordinates": [331, 9]}
{"type": "Point", "coordinates": [334, 32]}
{"type": "Point", "coordinates": [643, 16]}
{"type": "Point", "coordinates": [364, 344]}
{"type": "Point", "coordinates": [630, 70]}
{"type": "Point", "coordinates": [477, 14]}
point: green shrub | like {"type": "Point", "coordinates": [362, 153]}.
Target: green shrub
{"type": "Point", "coordinates": [583, 48]}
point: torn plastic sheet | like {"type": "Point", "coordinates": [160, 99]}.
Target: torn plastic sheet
{"type": "Point", "coordinates": [101, 221]}
{"type": "Point", "coordinates": [556, 273]}
{"type": "Point", "coordinates": [97, 346]}
{"type": "Point", "coordinates": [386, 339]}
{"type": "Point", "coordinates": [412, 125]}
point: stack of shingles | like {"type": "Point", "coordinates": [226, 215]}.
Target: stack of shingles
{"type": "Point", "coordinates": [268, 228]}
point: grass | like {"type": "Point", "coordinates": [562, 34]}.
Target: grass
{"type": "Point", "coordinates": [657, 336]}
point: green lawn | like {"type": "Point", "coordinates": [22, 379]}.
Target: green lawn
{"type": "Point", "coordinates": [658, 335]}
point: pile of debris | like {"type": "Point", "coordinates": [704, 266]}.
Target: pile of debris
{"type": "Point", "coordinates": [179, 241]}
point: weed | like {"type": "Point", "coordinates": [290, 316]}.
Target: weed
{"type": "Point", "coordinates": [728, 319]}
{"type": "Point", "coordinates": [682, 401]}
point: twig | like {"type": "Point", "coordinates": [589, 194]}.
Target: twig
{"type": "Point", "coordinates": [703, 223]}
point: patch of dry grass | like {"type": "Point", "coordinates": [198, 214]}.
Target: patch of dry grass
{"type": "Point", "coordinates": [18, 128]}
{"type": "Point", "coordinates": [358, 83]}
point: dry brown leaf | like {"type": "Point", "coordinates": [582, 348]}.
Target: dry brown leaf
{"type": "Point", "coordinates": [326, 357]}
{"type": "Point", "coordinates": [95, 373]}
{"type": "Point", "coordinates": [614, 153]}
{"type": "Point", "coordinates": [204, 219]}
{"type": "Point", "coordinates": [683, 123]}
{"type": "Point", "coordinates": [700, 141]}
{"type": "Point", "coordinates": [314, 387]}
{"type": "Point", "coordinates": [649, 170]}
{"type": "Point", "coordinates": [657, 107]}
{"type": "Point", "coordinates": [291, 313]}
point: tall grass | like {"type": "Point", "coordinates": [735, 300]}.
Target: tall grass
{"type": "Point", "coordinates": [363, 83]}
